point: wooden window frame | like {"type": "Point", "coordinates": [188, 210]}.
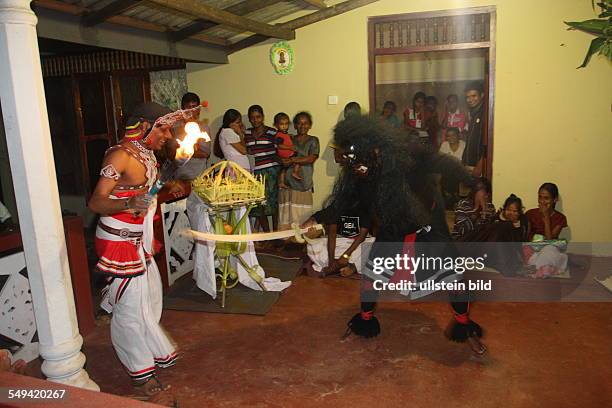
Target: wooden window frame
{"type": "Point", "coordinates": [489, 45]}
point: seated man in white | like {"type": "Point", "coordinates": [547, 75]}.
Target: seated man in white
{"type": "Point", "coordinates": [341, 251]}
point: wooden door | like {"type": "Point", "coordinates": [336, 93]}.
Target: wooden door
{"type": "Point", "coordinates": [130, 88]}
{"type": "Point", "coordinates": [95, 124]}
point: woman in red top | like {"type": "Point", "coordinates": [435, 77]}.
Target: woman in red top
{"type": "Point", "coordinates": [545, 220]}
{"type": "Point", "coordinates": [548, 222]}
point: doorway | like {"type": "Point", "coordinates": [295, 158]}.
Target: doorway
{"type": "Point", "coordinates": [87, 114]}
{"type": "Point", "coordinates": [436, 53]}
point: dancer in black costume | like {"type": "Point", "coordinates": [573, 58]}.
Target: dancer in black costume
{"type": "Point", "coordinates": [396, 180]}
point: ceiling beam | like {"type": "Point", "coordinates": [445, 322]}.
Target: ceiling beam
{"type": "Point", "coordinates": [112, 9]}
{"type": "Point", "coordinates": [250, 6]}
{"type": "Point", "coordinates": [66, 26]}
{"type": "Point", "coordinates": [320, 4]}
{"type": "Point", "coordinates": [300, 22]}
{"type": "Point", "coordinates": [126, 21]}
{"type": "Point", "coordinates": [239, 9]}
{"type": "Point", "coordinates": [329, 12]}
{"type": "Point", "coordinates": [219, 16]}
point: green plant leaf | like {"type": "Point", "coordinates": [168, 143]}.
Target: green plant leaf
{"type": "Point", "coordinates": [593, 26]}
{"type": "Point", "coordinates": [606, 50]}
{"type": "Point", "coordinates": [595, 47]}
{"type": "Point", "coordinates": [603, 4]}
{"type": "Point", "coordinates": [606, 9]}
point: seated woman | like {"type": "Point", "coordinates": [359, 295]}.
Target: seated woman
{"type": "Point", "coordinates": [474, 211]}
{"type": "Point", "coordinates": [546, 222]}
{"type": "Point", "coordinates": [341, 252]}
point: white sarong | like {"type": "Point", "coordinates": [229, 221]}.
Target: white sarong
{"type": "Point", "coordinates": [317, 251]}
{"type": "Point", "coordinates": [136, 304]}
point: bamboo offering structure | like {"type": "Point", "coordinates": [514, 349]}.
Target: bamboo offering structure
{"type": "Point", "coordinates": [226, 184]}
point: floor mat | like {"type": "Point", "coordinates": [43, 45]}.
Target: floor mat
{"type": "Point", "coordinates": [185, 295]}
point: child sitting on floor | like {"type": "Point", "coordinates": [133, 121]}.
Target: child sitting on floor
{"type": "Point", "coordinates": [474, 211]}
{"type": "Point", "coordinates": [509, 227]}
{"type": "Point", "coordinates": [546, 222]}
{"type": "Point", "coordinates": [513, 212]}
{"type": "Point", "coordinates": [284, 146]}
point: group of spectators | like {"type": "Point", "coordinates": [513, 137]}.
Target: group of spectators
{"type": "Point", "coordinates": [287, 162]}
{"type": "Point", "coordinates": [458, 133]}
{"type": "Point", "coordinates": [476, 220]}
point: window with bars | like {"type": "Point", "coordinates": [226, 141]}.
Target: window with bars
{"type": "Point", "coordinates": [431, 31]}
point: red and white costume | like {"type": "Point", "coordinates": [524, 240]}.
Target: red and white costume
{"type": "Point", "coordinates": [124, 243]}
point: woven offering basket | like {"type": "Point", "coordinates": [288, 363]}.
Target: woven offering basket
{"type": "Point", "coordinates": [226, 184]}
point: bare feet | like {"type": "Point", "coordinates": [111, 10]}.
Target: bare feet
{"type": "Point", "coordinates": [327, 271]}
{"type": "Point", "coordinates": [153, 391]}
{"type": "Point", "coordinates": [5, 360]}
{"type": "Point", "coordinates": [477, 346]}
{"type": "Point", "coordinates": [545, 271]}
{"type": "Point", "coordinates": [348, 270]}
{"type": "Point", "coordinates": [282, 185]}
{"type": "Point", "coordinates": [18, 367]}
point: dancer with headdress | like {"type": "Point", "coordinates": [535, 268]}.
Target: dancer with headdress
{"type": "Point", "coordinates": [125, 245]}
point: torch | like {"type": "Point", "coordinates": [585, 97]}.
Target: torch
{"type": "Point", "coordinates": [183, 153]}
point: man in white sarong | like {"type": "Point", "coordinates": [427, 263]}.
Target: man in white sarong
{"type": "Point", "coordinates": [341, 251]}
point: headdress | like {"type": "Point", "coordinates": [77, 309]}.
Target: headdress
{"type": "Point", "coordinates": [155, 114]}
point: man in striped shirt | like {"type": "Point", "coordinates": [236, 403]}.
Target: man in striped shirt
{"type": "Point", "coordinates": [261, 144]}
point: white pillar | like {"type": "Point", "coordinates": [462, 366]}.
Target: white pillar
{"type": "Point", "coordinates": [31, 157]}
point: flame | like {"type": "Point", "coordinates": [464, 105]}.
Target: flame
{"type": "Point", "coordinates": [186, 146]}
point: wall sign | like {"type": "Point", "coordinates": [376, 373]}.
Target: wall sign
{"type": "Point", "coordinates": [282, 58]}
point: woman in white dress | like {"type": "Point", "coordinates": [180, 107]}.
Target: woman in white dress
{"type": "Point", "coordinates": [229, 143]}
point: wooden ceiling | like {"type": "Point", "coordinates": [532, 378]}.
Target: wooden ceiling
{"type": "Point", "coordinates": [227, 25]}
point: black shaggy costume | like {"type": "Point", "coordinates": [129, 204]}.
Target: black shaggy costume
{"type": "Point", "coordinates": [396, 180]}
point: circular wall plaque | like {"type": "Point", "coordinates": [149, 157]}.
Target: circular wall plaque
{"type": "Point", "coordinates": [281, 57]}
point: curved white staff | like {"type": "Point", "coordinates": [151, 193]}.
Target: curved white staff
{"type": "Point", "coordinates": [296, 232]}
